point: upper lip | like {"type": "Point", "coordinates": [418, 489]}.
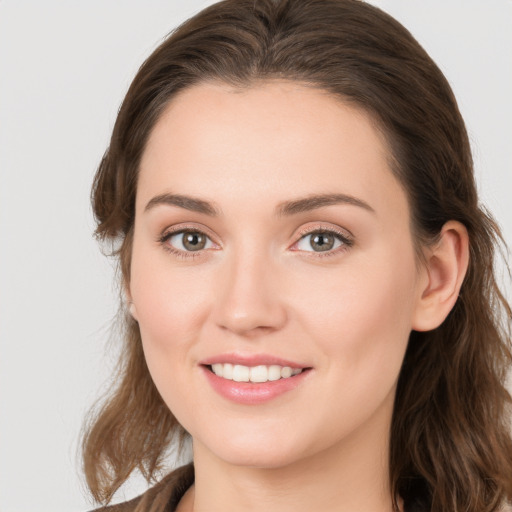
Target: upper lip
{"type": "Point", "coordinates": [251, 360]}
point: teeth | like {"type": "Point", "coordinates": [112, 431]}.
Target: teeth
{"type": "Point", "coordinates": [274, 372]}
{"type": "Point", "coordinates": [261, 373]}
{"type": "Point", "coordinates": [258, 374]}
{"type": "Point", "coordinates": [286, 372]}
{"type": "Point", "coordinates": [227, 371]}
{"type": "Point", "coordinates": [240, 373]}
{"type": "Point", "coordinates": [218, 369]}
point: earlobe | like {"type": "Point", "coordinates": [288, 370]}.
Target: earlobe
{"type": "Point", "coordinates": [133, 311]}
{"type": "Point", "coordinates": [131, 305]}
{"type": "Point", "coordinates": [445, 269]}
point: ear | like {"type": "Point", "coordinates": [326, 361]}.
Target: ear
{"type": "Point", "coordinates": [442, 276]}
{"type": "Point", "coordinates": [133, 311]}
{"type": "Point", "coordinates": [131, 305]}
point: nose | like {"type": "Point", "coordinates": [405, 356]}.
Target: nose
{"type": "Point", "coordinates": [249, 300]}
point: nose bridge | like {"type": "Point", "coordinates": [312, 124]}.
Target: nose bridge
{"type": "Point", "coordinates": [249, 300]}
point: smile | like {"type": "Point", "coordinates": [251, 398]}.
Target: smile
{"type": "Point", "coordinates": [259, 374]}
{"type": "Point", "coordinates": [252, 379]}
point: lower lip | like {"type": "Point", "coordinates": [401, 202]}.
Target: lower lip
{"type": "Point", "coordinates": [250, 393]}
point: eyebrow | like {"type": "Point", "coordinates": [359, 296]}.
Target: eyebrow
{"type": "Point", "coordinates": [193, 204]}
{"type": "Point", "coordinates": [313, 202]}
{"type": "Point", "coordinates": [286, 208]}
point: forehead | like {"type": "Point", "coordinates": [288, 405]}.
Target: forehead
{"type": "Point", "coordinates": [267, 141]}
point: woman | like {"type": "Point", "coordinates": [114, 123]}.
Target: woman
{"type": "Point", "coordinates": [307, 275]}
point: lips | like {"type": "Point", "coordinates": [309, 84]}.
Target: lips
{"type": "Point", "coordinates": [253, 379]}
{"type": "Point", "coordinates": [252, 360]}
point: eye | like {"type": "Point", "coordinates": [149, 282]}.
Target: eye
{"type": "Point", "coordinates": [321, 241]}
{"type": "Point", "coordinates": [188, 241]}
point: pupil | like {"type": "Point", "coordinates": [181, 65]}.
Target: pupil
{"type": "Point", "coordinates": [322, 242]}
{"type": "Point", "coordinates": [194, 241]}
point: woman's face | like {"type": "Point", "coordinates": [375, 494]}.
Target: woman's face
{"type": "Point", "coordinates": [271, 238]}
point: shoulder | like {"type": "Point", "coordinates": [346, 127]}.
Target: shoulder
{"type": "Point", "coordinates": [163, 497]}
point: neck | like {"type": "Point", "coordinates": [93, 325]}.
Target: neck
{"type": "Point", "coordinates": [351, 476]}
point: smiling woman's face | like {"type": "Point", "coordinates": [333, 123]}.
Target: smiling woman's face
{"type": "Point", "coordinates": [271, 233]}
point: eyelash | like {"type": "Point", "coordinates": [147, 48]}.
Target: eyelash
{"type": "Point", "coordinates": [185, 255]}
{"type": "Point", "coordinates": [346, 242]}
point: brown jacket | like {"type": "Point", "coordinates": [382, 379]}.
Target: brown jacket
{"type": "Point", "coordinates": [163, 497]}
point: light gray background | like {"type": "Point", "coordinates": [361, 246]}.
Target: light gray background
{"type": "Point", "coordinates": [64, 67]}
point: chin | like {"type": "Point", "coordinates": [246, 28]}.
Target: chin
{"type": "Point", "coordinates": [254, 458]}
{"type": "Point", "coordinates": [254, 451]}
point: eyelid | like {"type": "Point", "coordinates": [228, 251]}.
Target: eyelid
{"type": "Point", "coordinates": [346, 237]}
{"type": "Point", "coordinates": [325, 228]}
{"type": "Point", "coordinates": [176, 229]}
{"type": "Point", "coordinates": [343, 234]}
{"type": "Point", "coordinates": [180, 228]}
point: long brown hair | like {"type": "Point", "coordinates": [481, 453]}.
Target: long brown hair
{"type": "Point", "coordinates": [450, 442]}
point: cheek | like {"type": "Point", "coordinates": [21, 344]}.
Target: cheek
{"type": "Point", "coordinates": [170, 301]}
{"type": "Point", "coordinates": [170, 305]}
{"type": "Point", "coordinates": [362, 315]}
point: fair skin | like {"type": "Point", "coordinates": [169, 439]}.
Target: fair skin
{"type": "Point", "coordinates": [332, 287]}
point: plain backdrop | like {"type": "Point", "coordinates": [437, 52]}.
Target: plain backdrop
{"type": "Point", "coordinates": [64, 68]}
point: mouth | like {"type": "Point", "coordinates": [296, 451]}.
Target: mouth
{"type": "Point", "coordinates": [256, 374]}
{"type": "Point", "coordinates": [253, 379]}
